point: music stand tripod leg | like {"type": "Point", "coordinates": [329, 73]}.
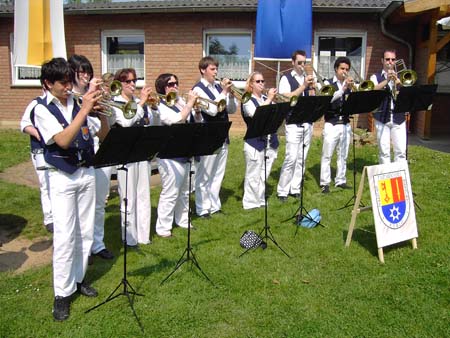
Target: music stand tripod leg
{"type": "Point", "coordinates": [188, 254]}
{"type": "Point", "coordinates": [124, 281]}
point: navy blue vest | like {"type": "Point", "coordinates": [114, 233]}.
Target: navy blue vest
{"type": "Point", "coordinates": [35, 144]}
{"type": "Point", "coordinates": [334, 113]}
{"type": "Point", "coordinates": [383, 113]}
{"type": "Point", "coordinates": [258, 142]}
{"type": "Point", "coordinates": [80, 152]}
{"type": "Point", "coordinates": [294, 83]}
{"type": "Point", "coordinates": [221, 116]}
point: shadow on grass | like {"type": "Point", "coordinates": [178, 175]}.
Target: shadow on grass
{"type": "Point", "coordinates": [366, 238]}
{"type": "Point", "coordinates": [10, 227]}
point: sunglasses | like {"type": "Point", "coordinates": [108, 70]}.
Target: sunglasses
{"type": "Point", "coordinates": [129, 81]}
{"type": "Point", "coordinates": [301, 63]}
{"type": "Point", "coordinates": [389, 59]}
{"type": "Point", "coordinates": [260, 81]}
{"type": "Point", "coordinates": [172, 84]}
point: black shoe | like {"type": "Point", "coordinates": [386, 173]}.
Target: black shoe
{"type": "Point", "coordinates": [61, 308]}
{"type": "Point", "coordinates": [90, 260]}
{"type": "Point", "coordinates": [49, 227]}
{"type": "Point", "coordinates": [105, 254]}
{"type": "Point", "coordinates": [344, 186]}
{"type": "Point", "coordinates": [86, 290]}
{"type": "Point", "coordinates": [218, 212]}
{"type": "Point", "coordinates": [325, 189]}
{"type": "Point", "coordinates": [297, 196]}
{"type": "Point", "coordinates": [205, 216]}
{"type": "Point", "coordinates": [282, 199]}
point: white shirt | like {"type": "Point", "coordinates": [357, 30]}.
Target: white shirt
{"type": "Point", "coordinates": [284, 86]}
{"type": "Point", "coordinates": [212, 109]}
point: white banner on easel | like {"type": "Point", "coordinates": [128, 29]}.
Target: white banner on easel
{"type": "Point", "coordinates": [392, 203]}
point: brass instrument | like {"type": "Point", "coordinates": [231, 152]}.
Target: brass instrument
{"type": "Point", "coordinates": [78, 98]}
{"type": "Point", "coordinates": [109, 86]}
{"type": "Point", "coordinates": [407, 77]}
{"type": "Point", "coordinates": [351, 84]}
{"type": "Point", "coordinates": [325, 90]}
{"type": "Point", "coordinates": [203, 103]}
{"type": "Point", "coordinates": [280, 98]}
{"type": "Point", "coordinates": [240, 94]}
{"type": "Point", "coordinates": [364, 85]}
{"type": "Point", "coordinates": [155, 98]}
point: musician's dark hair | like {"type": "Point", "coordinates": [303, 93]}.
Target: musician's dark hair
{"type": "Point", "coordinates": [80, 63]}
{"type": "Point", "coordinates": [206, 61]}
{"type": "Point", "coordinates": [342, 59]}
{"type": "Point", "coordinates": [162, 81]}
{"type": "Point", "coordinates": [122, 74]}
{"type": "Point", "coordinates": [57, 69]}
{"type": "Point", "coordinates": [391, 50]}
{"type": "Point", "coordinates": [298, 52]}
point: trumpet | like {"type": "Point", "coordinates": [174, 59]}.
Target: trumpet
{"type": "Point", "coordinates": [240, 94]}
{"type": "Point", "coordinates": [155, 98]}
{"type": "Point", "coordinates": [203, 103]}
{"type": "Point", "coordinates": [110, 86]}
{"type": "Point", "coordinates": [280, 98]}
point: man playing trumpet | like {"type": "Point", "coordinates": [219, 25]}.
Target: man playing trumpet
{"type": "Point", "coordinates": [211, 169]}
{"type": "Point", "coordinates": [298, 136]}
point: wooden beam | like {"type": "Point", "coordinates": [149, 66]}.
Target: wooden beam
{"type": "Point", "coordinates": [415, 6]}
{"type": "Point", "coordinates": [442, 42]}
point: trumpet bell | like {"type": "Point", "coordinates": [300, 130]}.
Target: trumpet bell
{"type": "Point", "coordinates": [408, 77]}
{"type": "Point", "coordinates": [327, 90]}
{"type": "Point", "coordinates": [115, 88]}
{"type": "Point", "coordinates": [129, 109]}
{"type": "Point", "coordinates": [366, 86]}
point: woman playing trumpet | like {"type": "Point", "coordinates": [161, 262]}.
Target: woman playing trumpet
{"type": "Point", "coordinates": [255, 171]}
{"type": "Point", "coordinates": [173, 205]}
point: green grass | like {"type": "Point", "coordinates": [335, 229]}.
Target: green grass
{"type": "Point", "coordinates": [324, 290]}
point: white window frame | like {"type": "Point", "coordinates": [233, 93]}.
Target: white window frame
{"type": "Point", "coordinates": [16, 82]}
{"type": "Point", "coordinates": [120, 32]}
{"type": "Point", "coordinates": [237, 31]}
{"type": "Point", "coordinates": [341, 33]}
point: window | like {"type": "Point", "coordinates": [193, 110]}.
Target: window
{"type": "Point", "coordinates": [233, 51]}
{"type": "Point", "coordinates": [23, 75]}
{"type": "Point", "coordinates": [328, 46]}
{"type": "Point", "coordinates": [123, 49]}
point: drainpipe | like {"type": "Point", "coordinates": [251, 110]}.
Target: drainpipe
{"type": "Point", "coordinates": [384, 15]}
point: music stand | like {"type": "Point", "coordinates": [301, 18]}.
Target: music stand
{"type": "Point", "coordinates": [120, 147]}
{"type": "Point", "coordinates": [266, 121]}
{"type": "Point", "coordinates": [360, 103]}
{"type": "Point", "coordinates": [188, 140]}
{"type": "Point", "coordinates": [308, 109]}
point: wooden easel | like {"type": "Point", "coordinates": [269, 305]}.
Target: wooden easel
{"type": "Point", "coordinates": [356, 210]}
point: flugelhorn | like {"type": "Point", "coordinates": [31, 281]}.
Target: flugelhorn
{"type": "Point", "coordinates": [280, 98]}
{"type": "Point", "coordinates": [240, 94]}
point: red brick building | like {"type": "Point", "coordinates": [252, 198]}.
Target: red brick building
{"type": "Point", "coordinates": [171, 36]}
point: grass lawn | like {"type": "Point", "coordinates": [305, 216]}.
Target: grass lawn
{"type": "Point", "coordinates": [323, 290]}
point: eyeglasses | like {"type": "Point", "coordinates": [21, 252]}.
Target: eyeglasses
{"type": "Point", "coordinates": [129, 81]}
{"type": "Point", "coordinates": [301, 63]}
{"type": "Point", "coordinates": [260, 81]}
{"type": "Point", "coordinates": [389, 59]}
{"type": "Point", "coordinates": [172, 84]}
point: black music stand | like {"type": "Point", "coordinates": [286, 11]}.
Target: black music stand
{"type": "Point", "coordinates": [308, 109]}
{"type": "Point", "coordinates": [188, 140]}
{"type": "Point", "coordinates": [360, 103]}
{"type": "Point", "coordinates": [120, 147]}
{"type": "Point", "coordinates": [266, 121]}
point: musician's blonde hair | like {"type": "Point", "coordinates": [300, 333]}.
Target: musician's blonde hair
{"type": "Point", "coordinates": [250, 79]}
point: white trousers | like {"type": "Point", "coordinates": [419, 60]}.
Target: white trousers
{"type": "Point", "coordinates": [138, 196]}
{"type": "Point", "coordinates": [298, 140]}
{"type": "Point", "coordinates": [254, 182]}
{"type": "Point", "coordinates": [387, 132]}
{"type": "Point", "coordinates": [208, 180]}
{"type": "Point", "coordinates": [337, 136]}
{"type": "Point", "coordinates": [102, 184]}
{"type": "Point", "coordinates": [45, 192]}
{"type": "Point", "coordinates": [73, 206]}
{"type": "Point", "coordinates": [174, 198]}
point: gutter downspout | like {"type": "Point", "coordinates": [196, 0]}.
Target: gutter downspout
{"type": "Point", "coordinates": [383, 17]}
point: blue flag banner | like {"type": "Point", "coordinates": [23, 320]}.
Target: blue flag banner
{"type": "Point", "coordinates": [283, 26]}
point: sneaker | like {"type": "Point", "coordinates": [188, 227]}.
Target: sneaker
{"type": "Point", "coordinates": [49, 227]}
{"type": "Point", "coordinates": [61, 308]}
{"type": "Point", "coordinates": [105, 254]}
{"type": "Point", "coordinates": [86, 290]}
{"type": "Point", "coordinates": [282, 199]}
{"type": "Point", "coordinates": [325, 189]}
{"type": "Point", "coordinates": [343, 186]}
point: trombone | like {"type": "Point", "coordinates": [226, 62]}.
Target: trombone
{"type": "Point", "coordinates": [325, 90]}
{"type": "Point", "coordinates": [240, 94]}
{"type": "Point", "coordinates": [407, 77]}
{"type": "Point", "coordinates": [364, 85]}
